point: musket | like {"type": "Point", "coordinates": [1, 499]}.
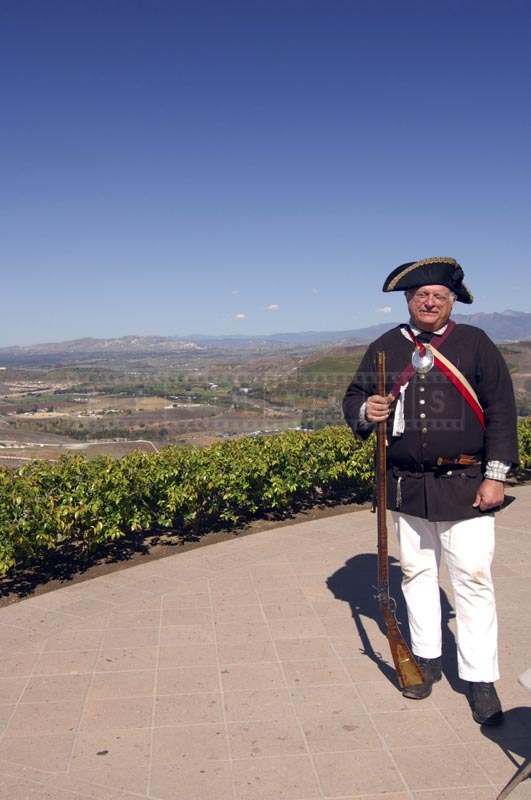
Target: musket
{"type": "Point", "coordinates": [407, 669]}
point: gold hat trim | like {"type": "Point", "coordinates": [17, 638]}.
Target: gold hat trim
{"type": "Point", "coordinates": [422, 263]}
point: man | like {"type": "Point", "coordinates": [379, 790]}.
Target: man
{"type": "Point", "coordinates": [451, 431]}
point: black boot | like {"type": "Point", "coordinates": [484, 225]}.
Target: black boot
{"type": "Point", "coordinates": [485, 703]}
{"type": "Point", "coordinates": [432, 671]}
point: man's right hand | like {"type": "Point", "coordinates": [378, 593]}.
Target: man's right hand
{"type": "Point", "coordinates": [378, 408]}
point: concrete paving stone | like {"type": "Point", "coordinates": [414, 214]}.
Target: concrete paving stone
{"type": "Point", "coordinates": [241, 632]}
{"type": "Point", "coordinates": [501, 759]}
{"type": "Point", "coordinates": [49, 752]}
{"type": "Point", "coordinates": [275, 567]}
{"type": "Point", "coordinates": [239, 613]}
{"type": "Point", "coordinates": [279, 737]}
{"type": "Point", "coordinates": [466, 729]}
{"type": "Point", "coordinates": [314, 587]}
{"type": "Point", "coordinates": [155, 584]}
{"type": "Point", "coordinates": [6, 712]}
{"type": "Point", "coordinates": [362, 668]}
{"type": "Point", "coordinates": [60, 688]}
{"type": "Point", "coordinates": [247, 653]}
{"type": "Point", "coordinates": [198, 742]}
{"type": "Point", "coordinates": [11, 689]}
{"type": "Point", "coordinates": [192, 780]}
{"type": "Point", "coordinates": [16, 640]}
{"type": "Point", "coordinates": [296, 627]}
{"type": "Point", "coordinates": [140, 683]}
{"type": "Point", "coordinates": [131, 637]}
{"type": "Point", "coordinates": [84, 789]}
{"type": "Point", "coordinates": [17, 664]}
{"type": "Point", "coordinates": [245, 598]}
{"type": "Point", "coordinates": [25, 790]}
{"type": "Point", "coordinates": [107, 713]}
{"type": "Point", "coordinates": [182, 615]}
{"type": "Point", "coordinates": [187, 655]}
{"type": "Point", "coordinates": [258, 705]}
{"type": "Point", "coordinates": [107, 590]}
{"type": "Point", "coordinates": [314, 702]}
{"type": "Point", "coordinates": [315, 673]}
{"type": "Point", "coordinates": [187, 634]}
{"type": "Point", "coordinates": [112, 659]}
{"type": "Point", "coordinates": [421, 726]}
{"type": "Point", "coordinates": [278, 583]}
{"type": "Point", "coordinates": [287, 610]}
{"type": "Point", "coordinates": [286, 594]}
{"type": "Point", "coordinates": [72, 639]}
{"type": "Point", "coordinates": [117, 759]}
{"type": "Point", "coordinates": [246, 677]}
{"type": "Point", "coordinates": [462, 793]}
{"type": "Point", "coordinates": [196, 589]}
{"type": "Point", "coordinates": [87, 607]}
{"type": "Point", "coordinates": [332, 609]}
{"type": "Point", "coordinates": [67, 662]}
{"type": "Point", "coordinates": [275, 778]}
{"type": "Point", "coordinates": [188, 709]}
{"type": "Point", "coordinates": [304, 649]}
{"type": "Point", "coordinates": [350, 731]}
{"type": "Point", "coordinates": [222, 587]}
{"type": "Point", "coordinates": [357, 772]}
{"type": "Point", "coordinates": [188, 680]}
{"type": "Point", "coordinates": [44, 718]}
{"type": "Point", "coordinates": [439, 767]}
{"type": "Point", "coordinates": [383, 696]}
{"type": "Point", "coordinates": [341, 628]}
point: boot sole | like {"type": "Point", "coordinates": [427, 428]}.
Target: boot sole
{"type": "Point", "coordinates": [420, 696]}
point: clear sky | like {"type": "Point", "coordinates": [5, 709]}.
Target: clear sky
{"type": "Point", "coordinates": [217, 167]}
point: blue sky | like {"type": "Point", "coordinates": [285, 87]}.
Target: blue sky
{"type": "Point", "coordinates": [250, 167]}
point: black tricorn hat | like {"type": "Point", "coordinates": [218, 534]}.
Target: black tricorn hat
{"type": "Point", "coordinates": [430, 271]}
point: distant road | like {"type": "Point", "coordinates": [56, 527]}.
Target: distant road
{"type": "Point", "coordinates": [80, 445]}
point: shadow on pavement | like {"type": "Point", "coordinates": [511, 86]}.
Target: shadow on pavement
{"type": "Point", "coordinates": [514, 739]}
{"type": "Point", "coordinates": [354, 584]}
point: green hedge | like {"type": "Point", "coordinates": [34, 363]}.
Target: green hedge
{"type": "Point", "coordinates": [44, 505]}
{"type": "Point", "coordinates": [89, 503]}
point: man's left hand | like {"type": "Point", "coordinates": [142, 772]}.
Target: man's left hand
{"type": "Point", "coordinates": [489, 495]}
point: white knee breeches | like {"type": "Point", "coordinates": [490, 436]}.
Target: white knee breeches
{"type": "Point", "coordinates": [468, 548]}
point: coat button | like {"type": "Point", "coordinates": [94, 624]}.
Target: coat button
{"type": "Point", "coordinates": [423, 416]}
{"type": "Point", "coordinates": [424, 430]}
{"type": "Point", "coordinates": [424, 444]}
{"type": "Point", "coordinates": [421, 388]}
{"type": "Point", "coordinates": [422, 402]}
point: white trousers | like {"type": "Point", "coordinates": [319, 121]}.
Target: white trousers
{"type": "Point", "coordinates": [468, 548]}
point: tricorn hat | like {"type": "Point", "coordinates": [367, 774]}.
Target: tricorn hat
{"type": "Point", "coordinates": [429, 271]}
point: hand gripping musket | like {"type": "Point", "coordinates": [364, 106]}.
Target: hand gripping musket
{"type": "Point", "coordinates": [407, 669]}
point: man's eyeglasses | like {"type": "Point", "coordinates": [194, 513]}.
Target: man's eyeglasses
{"type": "Point", "coordinates": [422, 297]}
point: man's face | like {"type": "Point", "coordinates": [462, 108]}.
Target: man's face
{"type": "Point", "coordinates": [430, 306]}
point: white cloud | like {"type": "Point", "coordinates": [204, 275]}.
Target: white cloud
{"type": "Point", "coordinates": [240, 316]}
{"type": "Point", "coordinates": [235, 291]}
{"type": "Point", "coordinates": [273, 307]}
{"type": "Point", "coordinates": [315, 291]}
{"type": "Point", "coordinates": [384, 310]}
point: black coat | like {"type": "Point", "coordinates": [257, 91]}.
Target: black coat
{"type": "Point", "coordinates": [440, 423]}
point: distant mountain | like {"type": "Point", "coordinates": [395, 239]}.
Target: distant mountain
{"type": "Point", "coordinates": [125, 344]}
{"type": "Point", "coordinates": [507, 326]}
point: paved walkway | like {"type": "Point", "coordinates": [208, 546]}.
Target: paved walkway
{"type": "Point", "coordinates": [251, 670]}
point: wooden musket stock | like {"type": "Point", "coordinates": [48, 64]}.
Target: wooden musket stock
{"type": "Point", "coordinates": [407, 669]}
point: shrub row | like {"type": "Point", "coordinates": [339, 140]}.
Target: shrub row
{"type": "Point", "coordinates": [89, 503]}
{"type": "Point", "coordinates": [44, 505]}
